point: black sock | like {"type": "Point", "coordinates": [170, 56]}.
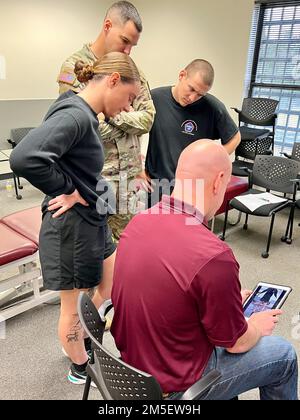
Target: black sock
{"type": "Point", "coordinates": [88, 343]}
{"type": "Point", "coordinates": [80, 368]}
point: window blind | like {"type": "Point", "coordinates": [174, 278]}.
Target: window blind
{"type": "Point", "coordinates": [273, 68]}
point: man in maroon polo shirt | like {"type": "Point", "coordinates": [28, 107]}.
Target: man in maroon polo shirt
{"type": "Point", "coordinates": [177, 295]}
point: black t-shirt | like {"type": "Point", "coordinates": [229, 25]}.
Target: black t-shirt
{"type": "Point", "coordinates": [175, 127]}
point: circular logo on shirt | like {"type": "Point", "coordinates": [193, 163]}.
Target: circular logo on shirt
{"type": "Point", "coordinates": [189, 127]}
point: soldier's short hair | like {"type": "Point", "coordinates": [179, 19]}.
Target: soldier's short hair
{"type": "Point", "coordinates": [126, 11]}
{"type": "Point", "coordinates": [204, 68]}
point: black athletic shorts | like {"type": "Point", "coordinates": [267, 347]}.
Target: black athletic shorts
{"type": "Point", "coordinates": [72, 251]}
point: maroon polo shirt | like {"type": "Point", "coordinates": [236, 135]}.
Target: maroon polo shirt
{"type": "Point", "coordinates": [176, 294]}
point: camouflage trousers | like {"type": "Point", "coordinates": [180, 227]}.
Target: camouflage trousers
{"type": "Point", "coordinates": [127, 205]}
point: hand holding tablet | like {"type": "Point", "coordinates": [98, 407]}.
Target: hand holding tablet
{"type": "Point", "coordinates": [266, 296]}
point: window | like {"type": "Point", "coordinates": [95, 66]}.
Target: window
{"type": "Point", "coordinates": [273, 69]}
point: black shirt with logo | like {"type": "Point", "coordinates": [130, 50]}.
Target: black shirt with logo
{"type": "Point", "coordinates": [175, 127]}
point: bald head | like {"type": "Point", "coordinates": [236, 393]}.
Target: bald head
{"type": "Point", "coordinates": [205, 163]}
{"type": "Point", "coordinates": [203, 159]}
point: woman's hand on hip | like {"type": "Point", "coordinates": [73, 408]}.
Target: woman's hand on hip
{"type": "Point", "coordinates": [63, 203]}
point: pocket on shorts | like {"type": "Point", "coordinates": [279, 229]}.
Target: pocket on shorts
{"type": "Point", "coordinates": [57, 222]}
{"type": "Point", "coordinates": [89, 251]}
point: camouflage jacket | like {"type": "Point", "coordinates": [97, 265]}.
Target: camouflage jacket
{"type": "Point", "coordinates": [121, 135]}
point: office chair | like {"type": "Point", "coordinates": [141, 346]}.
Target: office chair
{"type": "Point", "coordinates": [295, 155]}
{"type": "Point", "coordinates": [17, 135]}
{"type": "Point", "coordinates": [273, 174]}
{"type": "Point", "coordinates": [94, 326]}
{"type": "Point", "coordinates": [254, 141]}
{"type": "Point", "coordinates": [117, 380]}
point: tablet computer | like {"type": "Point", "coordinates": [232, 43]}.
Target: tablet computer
{"type": "Point", "coordinates": [266, 296]}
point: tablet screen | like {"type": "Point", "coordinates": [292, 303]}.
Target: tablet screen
{"type": "Point", "coordinates": [264, 298]}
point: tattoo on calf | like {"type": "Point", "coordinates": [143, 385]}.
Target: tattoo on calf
{"type": "Point", "coordinates": [74, 333]}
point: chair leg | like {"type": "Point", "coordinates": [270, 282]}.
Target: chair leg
{"type": "Point", "coordinates": [266, 253]}
{"type": "Point", "coordinates": [18, 196]}
{"type": "Point", "coordinates": [245, 227]}
{"type": "Point", "coordinates": [87, 387]}
{"type": "Point", "coordinates": [288, 237]}
{"type": "Point", "coordinates": [222, 237]}
{"type": "Point", "coordinates": [19, 184]}
{"type": "Point", "coordinates": [284, 238]}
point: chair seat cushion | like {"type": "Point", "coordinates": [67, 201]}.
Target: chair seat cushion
{"type": "Point", "coordinates": [14, 246]}
{"type": "Point", "coordinates": [235, 187]}
{"type": "Point", "coordinates": [26, 222]}
{"type": "Point", "coordinates": [238, 164]}
{"type": "Point", "coordinates": [264, 211]}
{"type": "Point", "coordinates": [248, 133]}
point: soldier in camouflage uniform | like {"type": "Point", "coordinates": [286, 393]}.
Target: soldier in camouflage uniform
{"type": "Point", "coordinates": [120, 135]}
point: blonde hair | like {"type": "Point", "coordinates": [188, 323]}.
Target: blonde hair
{"type": "Point", "coordinates": [106, 65]}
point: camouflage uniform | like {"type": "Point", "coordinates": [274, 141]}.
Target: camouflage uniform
{"type": "Point", "coordinates": [120, 136]}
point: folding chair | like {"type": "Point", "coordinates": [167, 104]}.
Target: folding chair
{"type": "Point", "coordinates": [117, 380]}
{"type": "Point", "coordinates": [273, 174]}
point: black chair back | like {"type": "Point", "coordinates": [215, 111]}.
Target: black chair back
{"type": "Point", "coordinates": [296, 151]}
{"type": "Point", "coordinates": [249, 149]}
{"type": "Point", "coordinates": [90, 318]}
{"type": "Point", "coordinates": [17, 134]}
{"type": "Point", "coordinates": [114, 378]}
{"type": "Point", "coordinates": [122, 381]}
{"type": "Point", "coordinates": [258, 111]}
{"type": "Point", "coordinates": [275, 173]}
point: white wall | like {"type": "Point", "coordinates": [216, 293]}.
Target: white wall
{"type": "Point", "coordinates": [37, 35]}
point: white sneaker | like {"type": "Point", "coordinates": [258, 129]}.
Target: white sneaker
{"type": "Point", "coordinates": [78, 378]}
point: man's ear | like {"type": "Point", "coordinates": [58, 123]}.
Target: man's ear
{"type": "Point", "coordinates": [107, 25]}
{"type": "Point", "coordinates": [218, 182]}
{"type": "Point", "coordinates": [182, 74]}
{"type": "Point", "coordinates": [114, 79]}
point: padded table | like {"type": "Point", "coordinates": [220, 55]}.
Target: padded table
{"type": "Point", "coordinates": [27, 223]}
{"type": "Point", "coordinates": [19, 237]}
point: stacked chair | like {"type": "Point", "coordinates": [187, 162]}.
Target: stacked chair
{"type": "Point", "coordinates": [254, 141]}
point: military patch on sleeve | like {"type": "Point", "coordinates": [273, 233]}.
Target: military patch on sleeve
{"type": "Point", "coordinates": [68, 78]}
